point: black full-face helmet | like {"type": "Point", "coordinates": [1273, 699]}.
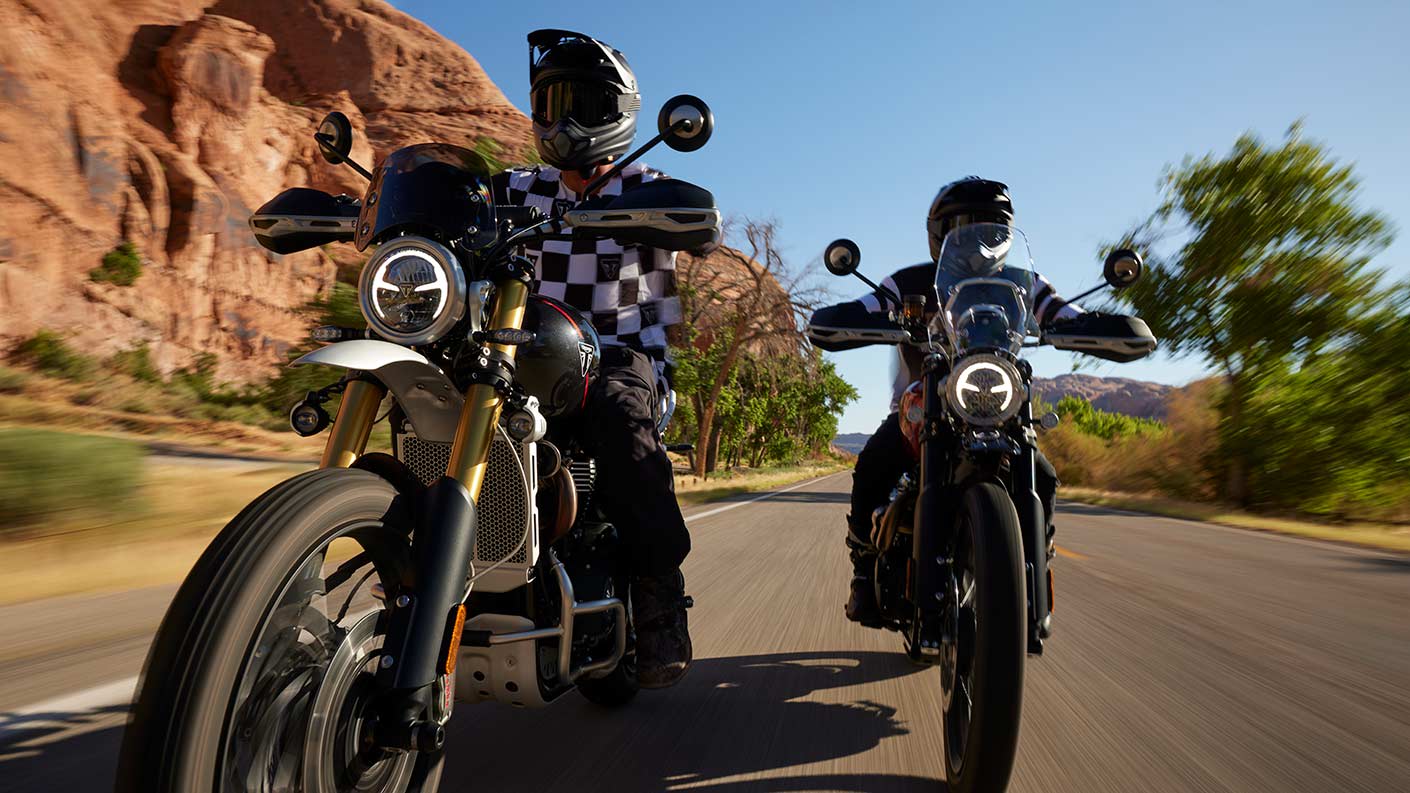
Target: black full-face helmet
{"type": "Point", "coordinates": [960, 203]}
{"type": "Point", "coordinates": [584, 98]}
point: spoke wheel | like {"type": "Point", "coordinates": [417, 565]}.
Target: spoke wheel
{"type": "Point", "coordinates": [260, 677]}
{"type": "Point", "coordinates": [982, 643]}
{"type": "Point", "coordinates": [301, 701]}
{"type": "Point", "coordinates": [961, 626]}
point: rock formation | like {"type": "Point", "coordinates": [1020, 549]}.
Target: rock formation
{"type": "Point", "coordinates": [164, 123]}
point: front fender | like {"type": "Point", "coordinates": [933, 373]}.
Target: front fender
{"type": "Point", "coordinates": [426, 395]}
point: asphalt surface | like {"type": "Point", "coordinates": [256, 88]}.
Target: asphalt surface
{"type": "Point", "coordinates": [1187, 657]}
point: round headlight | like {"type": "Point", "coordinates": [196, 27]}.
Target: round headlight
{"type": "Point", "coordinates": [985, 390]}
{"type": "Point", "coordinates": [412, 291]}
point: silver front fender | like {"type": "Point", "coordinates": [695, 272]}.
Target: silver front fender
{"type": "Point", "coordinates": [430, 400]}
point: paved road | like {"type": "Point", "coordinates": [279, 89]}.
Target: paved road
{"type": "Point", "coordinates": [1188, 657]}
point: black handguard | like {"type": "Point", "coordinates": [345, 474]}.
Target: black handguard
{"type": "Point", "coordinates": [1113, 337]}
{"type": "Point", "coordinates": [849, 325]}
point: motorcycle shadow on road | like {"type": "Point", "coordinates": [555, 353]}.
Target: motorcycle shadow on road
{"type": "Point", "coordinates": [728, 721]}
{"type": "Point", "coordinates": [77, 751]}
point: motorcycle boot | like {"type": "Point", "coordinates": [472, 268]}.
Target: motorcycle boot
{"type": "Point", "coordinates": [861, 604]}
{"type": "Point", "coordinates": [663, 650]}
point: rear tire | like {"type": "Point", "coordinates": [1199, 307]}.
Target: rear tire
{"type": "Point", "coordinates": [997, 640]}
{"type": "Point", "coordinates": [183, 719]}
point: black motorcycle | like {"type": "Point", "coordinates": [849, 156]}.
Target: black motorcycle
{"type": "Point", "coordinates": [319, 643]}
{"type": "Point", "coordinates": [963, 547]}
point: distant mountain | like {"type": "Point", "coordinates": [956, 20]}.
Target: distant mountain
{"type": "Point", "coordinates": [851, 441]}
{"type": "Point", "coordinates": [1114, 394]}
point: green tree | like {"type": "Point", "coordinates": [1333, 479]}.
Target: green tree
{"type": "Point", "coordinates": [1271, 269]}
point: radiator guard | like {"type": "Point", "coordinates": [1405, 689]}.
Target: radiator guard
{"type": "Point", "coordinates": [507, 509]}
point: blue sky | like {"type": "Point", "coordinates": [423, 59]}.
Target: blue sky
{"type": "Point", "coordinates": [842, 119]}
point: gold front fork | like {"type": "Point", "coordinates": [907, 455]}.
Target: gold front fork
{"type": "Point", "coordinates": [471, 451]}
{"type": "Point", "coordinates": [348, 437]}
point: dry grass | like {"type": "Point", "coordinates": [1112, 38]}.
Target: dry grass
{"type": "Point", "coordinates": [693, 490]}
{"type": "Point", "coordinates": [186, 504]}
{"type": "Point", "coordinates": [1384, 536]}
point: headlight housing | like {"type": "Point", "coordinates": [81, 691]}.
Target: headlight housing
{"type": "Point", "coordinates": [985, 390]}
{"type": "Point", "coordinates": [412, 291]}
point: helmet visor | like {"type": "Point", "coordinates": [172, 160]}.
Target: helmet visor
{"type": "Point", "coordinates": [590, 103]}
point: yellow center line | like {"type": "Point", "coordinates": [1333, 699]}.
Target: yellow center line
{"type": "Point", "coordinates": [1070, 554]}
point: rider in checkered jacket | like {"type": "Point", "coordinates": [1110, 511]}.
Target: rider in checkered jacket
{"type": "Point", "coordinates": [585, 104]}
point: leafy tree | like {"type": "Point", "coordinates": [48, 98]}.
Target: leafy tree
{"type": "Point", "coordinates": [1103, 424]}
{"type": "Point", "coordinates": [736, 302]}
{"type": "Point", "coordinates": [1271, 269]}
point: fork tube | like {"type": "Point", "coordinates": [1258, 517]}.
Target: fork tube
{"type": "Point", "coordinates": [348, 436]}
{"type": "Point", "coordinates": [470, 453]}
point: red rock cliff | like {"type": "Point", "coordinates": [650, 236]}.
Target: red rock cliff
{"type": "Point", "coordinates": [165, 123]}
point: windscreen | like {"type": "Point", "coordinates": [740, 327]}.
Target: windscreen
{"type": "Point", "coordinates": [985, 284]}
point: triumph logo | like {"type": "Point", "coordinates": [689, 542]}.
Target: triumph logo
{"type": "Point", "coordinates": [409, 275]}
{"type": "Point", "coordinates": [585, 354]}
{"type": "Point", "coordinates": [649, 313]}
{"type": "Point", "coordinates": [985, 388]}
{"type": "Point", "coordinates": [608, 266]}
{"type": "Point", "coordinates": [561, 207]}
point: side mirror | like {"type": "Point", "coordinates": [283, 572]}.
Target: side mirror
{"type": "Point", "coordinates": [335, 138]}
{"type": "Point", "coordinates": [669, 214]}
{"type": "Point", "coordinates": [696, 123]}
{"type": "Point", "coordinates": [1122, 268]}
{"type": "Point", "coordinates": [842, 257]}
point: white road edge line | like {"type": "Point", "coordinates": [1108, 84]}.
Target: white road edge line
{"type": "Point", "coordinates": [120, 691]}
{"type": "Point", "coordinates": [768, 495]}
{"type": "Point", "coordinates": [25, 719]}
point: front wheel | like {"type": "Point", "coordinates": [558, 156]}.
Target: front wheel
{"type": "Point", "coordinates": [261, 675]}
{"type": "Point", "coordinates": [983, 645]}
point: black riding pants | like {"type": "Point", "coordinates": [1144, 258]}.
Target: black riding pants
{"type": "Point", "coordinates": [884, 459]}
{"type": "Point", "coordinates": [635, 484]}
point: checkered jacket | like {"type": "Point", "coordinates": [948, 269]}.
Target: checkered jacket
{"type": "Point", "coordinates": [629, 292]}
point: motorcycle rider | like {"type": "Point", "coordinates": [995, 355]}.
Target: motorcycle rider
{"type": "Point", "coordinates": [884, 458]}
{"type": "Point", "coordinates": [585, 105]}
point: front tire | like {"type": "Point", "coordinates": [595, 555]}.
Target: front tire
{"type": "Point", "coordinates": [982, 675]}
{"type": "Point", "coordinates": [234, 677]}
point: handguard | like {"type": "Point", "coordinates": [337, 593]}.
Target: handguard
{"type": "Point", "coordinates": [1113, 337]}
{"type": "Point", "coordinates": [849, 326]}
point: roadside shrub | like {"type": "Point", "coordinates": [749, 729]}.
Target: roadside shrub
{"type": "Point", "coordinates": [45, 475]}
{"type": "Point", "coordinates": [121, 266]}
{"type": "Point", "coordinates": [12, 380]}
{"type": "Point", "coordinates": [47, 352]}
{"type": "Point", "coordinates": [136, 363]}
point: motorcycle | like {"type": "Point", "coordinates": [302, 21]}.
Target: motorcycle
{"type": "Point", "coordinates": [322, 640]}
{"type": "Point", "coordinates": [963, 546]}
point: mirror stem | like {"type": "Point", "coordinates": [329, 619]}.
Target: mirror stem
{"type": "Point", "coordinates": [348, 161]}
{"type": "Point", "coordinates": [1094, 289]}
{"type": "Point", "coordinates": [887, 293]}
{"type": "Point", "coordinates": [597, 183]}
